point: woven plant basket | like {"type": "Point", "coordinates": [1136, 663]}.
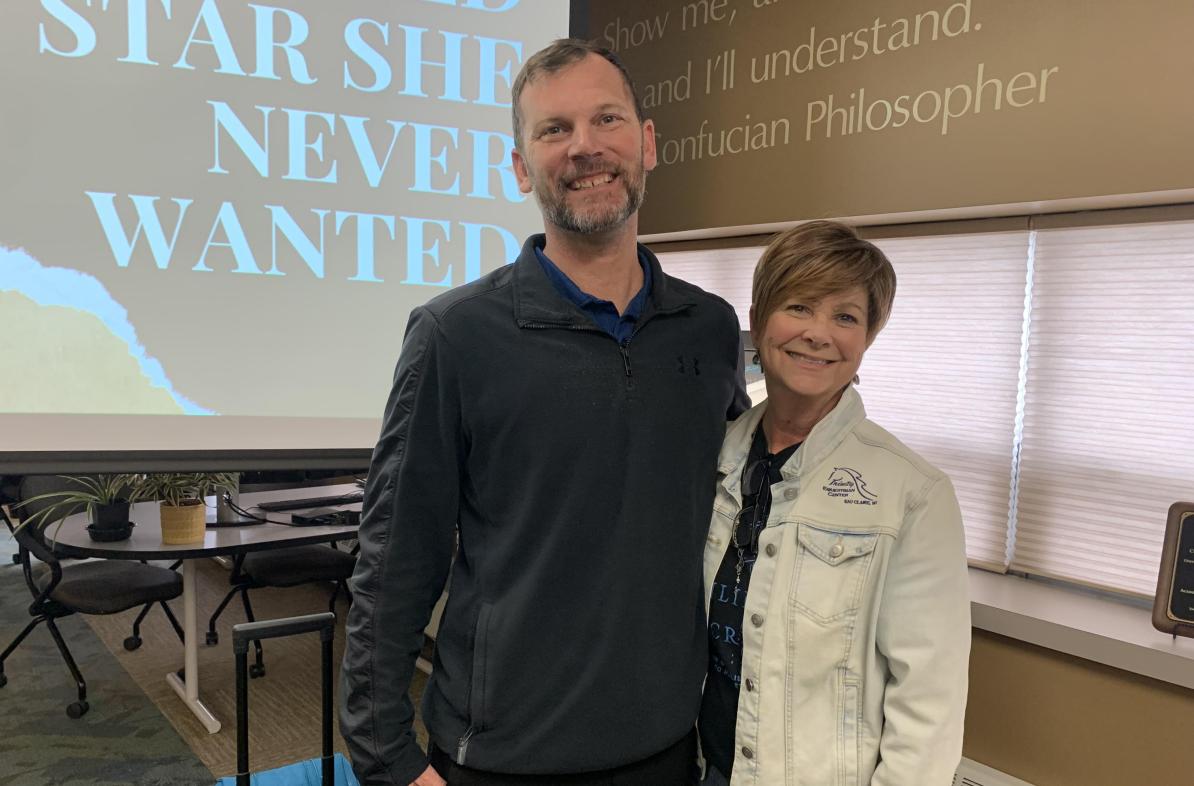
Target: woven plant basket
{"type": "Point", "coordinates": [184, 523]}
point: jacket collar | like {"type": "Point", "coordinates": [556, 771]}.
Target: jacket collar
{"type": "Point", "coordinates": [536, 300]}
{"type": "Point", "coordinates": [822, 440]}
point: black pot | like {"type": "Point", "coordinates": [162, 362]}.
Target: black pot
{"type": "Point", "coordinates": [110, 522]}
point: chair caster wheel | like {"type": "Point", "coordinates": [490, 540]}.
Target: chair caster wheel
{"type": "Point", "coordinates": [212, 638]}
{"type": "Point", "coordinates": [77, 710]}
{"type": "Point", "coordinates": [132, 643]}
{"type": "Point", "coordinates": [256, 671]}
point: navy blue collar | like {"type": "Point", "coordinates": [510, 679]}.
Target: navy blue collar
{"type": "Point", "coordinates": [538, 302]}
{"type": "Point", "coordinates": [602, 312]}
{"type": "Point", "coordinates": [577, 296]}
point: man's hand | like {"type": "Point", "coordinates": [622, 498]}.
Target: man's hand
{"type": "Point", "coordinates": [429, 778]}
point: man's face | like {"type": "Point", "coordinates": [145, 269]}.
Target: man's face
{"type": "Point", "coordinates": [584, 154]}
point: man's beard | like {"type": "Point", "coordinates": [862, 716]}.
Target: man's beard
{"type": "Point", "coordinates": [592, 220]}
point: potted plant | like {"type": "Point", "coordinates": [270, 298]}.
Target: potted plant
{"type": "Point", "coordinates": [105, 497]}
{"type": "Point", "coordinates": [183, 515]}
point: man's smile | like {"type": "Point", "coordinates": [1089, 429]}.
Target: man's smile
{"type": "Point", "coordinates": [591, 181]}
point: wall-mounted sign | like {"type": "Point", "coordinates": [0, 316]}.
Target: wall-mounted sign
{"type": "Point", "coordinates": [1173, 606]}
{"type": "Point", "coordinates": [773, 111]}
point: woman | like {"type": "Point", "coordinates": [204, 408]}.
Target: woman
{"type": "Point", "coordinates": [839, 621]}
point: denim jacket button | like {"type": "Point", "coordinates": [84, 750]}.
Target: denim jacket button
{"type": "Point", "coordinates": [756, 620]}
{"type": "Point", "coordinates": [770, 549]}
{"type": "Point", "coordinates": [836, 550]}
{"type": "Point", "coordinates": [747, 753]}
{"type": "Point", "coordinates": [750, 685]}
{"type": "Point", "coordinates": [790, 494]}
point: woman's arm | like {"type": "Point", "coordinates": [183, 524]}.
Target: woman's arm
{"type": "Point", "coordinates": [924, 632]}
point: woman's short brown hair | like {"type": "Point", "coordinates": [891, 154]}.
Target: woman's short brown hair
{"type": "Point", "coordinates": [821, 258]}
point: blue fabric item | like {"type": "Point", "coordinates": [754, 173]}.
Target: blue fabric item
{"type": "Point", "coordinates": [603, 313]}
{"type": "Point", "coordinates": [303, 773]}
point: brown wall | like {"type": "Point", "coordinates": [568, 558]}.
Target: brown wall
{"type": "Point", "coordinates": [1056, 720]}
{"type": "Point", "coordinates": [1089, 103]}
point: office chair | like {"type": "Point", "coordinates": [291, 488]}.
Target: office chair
{"type": "Point", "coordinates": [96, 587]}
{"type": "Point", "coordinates": [9, 486]}
{"type": "Point", "coordinates": [30, 486]}
{"type": "Point", "coordinates": [288, 567]}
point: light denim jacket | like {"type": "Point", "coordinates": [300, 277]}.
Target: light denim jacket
{"type": "Point", "coordinates": [856, 631]}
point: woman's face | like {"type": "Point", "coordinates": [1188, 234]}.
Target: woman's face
{"type": "Point", "coordinates": [811, 349]}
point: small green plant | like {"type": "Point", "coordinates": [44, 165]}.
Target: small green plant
{"type": "Point", "coordinates": [186, 488]}
{"type": "Point", "coordinates": [86, 491]}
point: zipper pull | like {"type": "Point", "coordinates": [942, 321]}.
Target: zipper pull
{"type": "Point", "coordinates": [462, 746]}
{"type": "Point", "coordinates": [625, 358]}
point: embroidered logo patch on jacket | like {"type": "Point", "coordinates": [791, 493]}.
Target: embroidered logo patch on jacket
{"type": "Point", "coordinates": [847, 485]}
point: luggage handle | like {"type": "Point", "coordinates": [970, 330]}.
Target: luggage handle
{"type": "Point", "coordinates": [242, 634]}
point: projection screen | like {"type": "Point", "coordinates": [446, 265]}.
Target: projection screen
{"type": "Point", "coordinates": [217, 216]}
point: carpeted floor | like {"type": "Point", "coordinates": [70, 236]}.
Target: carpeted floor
{"type": "Point", "coordinates": [284, 704]}
{"type": "Point", "coordinates": [122, 740]}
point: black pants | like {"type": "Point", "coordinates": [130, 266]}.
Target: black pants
{"type": "Point", "coordinates": [670, 767]}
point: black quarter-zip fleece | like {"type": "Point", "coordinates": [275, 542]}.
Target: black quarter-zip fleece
{"type": "Point", "coordinates": [579, 474]}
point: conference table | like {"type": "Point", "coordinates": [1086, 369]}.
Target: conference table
{"type": "Point", "coordinates": [220, 539]}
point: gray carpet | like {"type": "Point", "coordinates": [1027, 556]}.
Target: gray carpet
{"type": "Point", "coordinates": [122, 740]}
{"type": "Point", "coordinates": [284, 705]}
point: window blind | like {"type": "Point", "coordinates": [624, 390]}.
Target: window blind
{"type": "Point", "coordinates": [943, 374]}
{"type": "Point", "coordinates": [1109, 403]}
{"type": "Point", "coordinates": [723, 271]}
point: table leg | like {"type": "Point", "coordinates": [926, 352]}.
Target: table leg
{"type": "Point", "coordinates": [188, 691]}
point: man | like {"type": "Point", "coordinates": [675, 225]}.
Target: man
{"type": "Point", "coordinates": [557, 423]}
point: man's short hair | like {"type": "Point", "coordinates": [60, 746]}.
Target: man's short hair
{"type": "Point", "coordinates": [555, 57]}
{"type": "Point", "coordinates": [822, 258]}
